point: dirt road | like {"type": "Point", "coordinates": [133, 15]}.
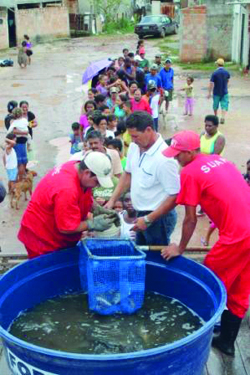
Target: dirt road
{"type": "Point", "coordinates": [52, 86]}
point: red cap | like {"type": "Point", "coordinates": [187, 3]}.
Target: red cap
{"type": "Point", "coordinates": [186, 140]}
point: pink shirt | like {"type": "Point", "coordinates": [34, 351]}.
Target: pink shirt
{"type": "Point", "coordinates": [84, 121]}
{"type": "Point", "coordinates": [142, 105]}
{"type": "Point", "coordinates": [216, 184]}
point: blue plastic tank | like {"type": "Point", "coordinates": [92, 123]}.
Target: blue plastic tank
{"type": "Point", "coordinates": [51, 275]}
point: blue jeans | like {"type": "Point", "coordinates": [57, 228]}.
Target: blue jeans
{"type": "Point", "coordinates": [159, 232]}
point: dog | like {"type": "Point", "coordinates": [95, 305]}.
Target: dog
{"type": "Point", "coordinates": [22, 187]}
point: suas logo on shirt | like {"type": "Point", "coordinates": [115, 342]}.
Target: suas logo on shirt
{"type": "Point", "coordinates": [206, 168]}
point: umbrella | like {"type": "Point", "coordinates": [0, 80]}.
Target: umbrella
{"type": "Point", "coordinates": [95, 68]}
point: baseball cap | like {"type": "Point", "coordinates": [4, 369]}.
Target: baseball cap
{"type": "Point", "coordinates": [142, 51]}
{"type": "Point", "coordinates": [186, 140]}
{"type": "Point", "coordinates": [168, 61]}
{"type": "Point", "coordinates": [154, 67]}
{"type": "Point", "coordinates": [100, 164]}
{"type": "Point", "coordinates": [158, 55]}
{"type": "Point", "coordinates": [113, 90]}
{"type": "Point", "coordinates": [220, 61]}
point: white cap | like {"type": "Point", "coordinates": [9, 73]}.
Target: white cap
{"type": "Point", "coordinates": [100, 164]}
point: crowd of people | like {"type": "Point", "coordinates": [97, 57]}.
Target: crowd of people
{"type": "Point", "coordinates": [123, 178]}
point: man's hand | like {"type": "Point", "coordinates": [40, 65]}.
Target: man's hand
{"type": "Point", "coordinates": [110, 204]}
{"type": "Point", "coordinates": [98, 210]}
{"type": "Point", "coordinates": [140, 225]}
{"type": "Point", "coordinates": [101, 223]}
{"type": "Point", "coordinates": [170, 251]}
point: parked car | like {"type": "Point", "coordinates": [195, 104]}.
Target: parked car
{"type": "Point", "coordinates": [156, 25]}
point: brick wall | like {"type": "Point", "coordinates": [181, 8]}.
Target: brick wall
{"type": "Point", "coordinates": [4, 35]}
{"type": "Point", "coordinates": [193, 34]}
{"type": "Point", "coordinates": [42, 24]}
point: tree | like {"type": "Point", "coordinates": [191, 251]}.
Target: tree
{"type": "Point", "coordinates": [109, 8]}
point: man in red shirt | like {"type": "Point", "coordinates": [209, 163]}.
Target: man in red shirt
{"type": "Point", "coordinates": [139, 104]}
{"type": "Point", "coordinates": [57, 213]}
{"type": "Point", "coordinates": [215, 184]}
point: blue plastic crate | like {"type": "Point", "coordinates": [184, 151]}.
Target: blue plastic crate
{"type": "Point", "coordinates": [115, 275]}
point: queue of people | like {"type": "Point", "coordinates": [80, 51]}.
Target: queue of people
{"type": "Point", "coordinates": [122, 173]}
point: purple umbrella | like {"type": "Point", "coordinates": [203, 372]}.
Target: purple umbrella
{"type": "Point", "coordinates": [95, 68]}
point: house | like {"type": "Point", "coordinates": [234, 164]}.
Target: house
{"type": "Point", "coordinates": [41, 19]}
{"type": "Point", "coordinates": [219, 28]}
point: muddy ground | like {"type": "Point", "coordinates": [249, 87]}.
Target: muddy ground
{"type": "Point", "coordinates": [52, 86]}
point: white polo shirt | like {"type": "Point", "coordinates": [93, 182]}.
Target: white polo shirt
{"type": "Point", "coordinates": [153, 176]}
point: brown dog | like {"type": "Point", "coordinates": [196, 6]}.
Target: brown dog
{"type": "Point", "coordinates": [22, 187]}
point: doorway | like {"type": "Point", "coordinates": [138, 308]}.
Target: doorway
{"type": "Point", "coordinates": [12, 27]}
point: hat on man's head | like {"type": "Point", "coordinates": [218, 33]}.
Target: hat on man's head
{"type": "Point", "coordinates": [113, 90]}
{"type": "Point", "coordinates": [220, 62]}
{"type": "Point", "coordinates": [158, 55]}
{"type": "Point", "coordinates": [142, 51]}
{"type": "Point", "coordinates": [100, 164]}
{"type": "Point", "coordinates": [168, 61]}
{"type": "Point", "coordinates": [154, 67]}
{"type": "Point", "coordinates": [186, 140]}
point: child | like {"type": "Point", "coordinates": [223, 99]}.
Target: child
{"type": "Point", "coordinates": [118, 206]}
{"type": "Point", "coordinates": [10, 160]}
{"type": "Point", "coordinates": [127, 217]}
{"type": "Point", "coordinates": [116, 144]}
{"type": "Point", "coordinates": [112, 123]}
{"type": "Point", "coordinates": [189, 100]}
{"type": "Point", "coordinates": [29, 51]}
{"type": "Point", "coordinates": [140, 47]}
{"type": "Point", "coordinates": [91, 94]}
{"type": "Point", "coordinates": [88, 107]}
{"type": "Point", "coordinates": [154, 101]}
{"type": "Point", "coordinates": [22, 57]}
{"type": "Point", "coordinates": [75, 138]}
{"type": "Point", "coordinates": [210, 230]}
{"type": "Point", "coordinates": [118, 109]}
{"type": "Point", "coordinates": [102, 86]}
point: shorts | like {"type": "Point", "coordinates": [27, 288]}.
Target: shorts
{"type": "Point", "coordinates": [168, 97]}
{"type": "Point", "coordinates": [223, 101]}
{"type": "Point", "coordinates": [29, 52]}
{"type": "Point", "coordinates": [21, 153]}
{"type": "Point", "coordinates": [12, 174]}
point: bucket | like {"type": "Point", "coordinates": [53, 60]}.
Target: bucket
{"type": "Point", "coordinates": [57, 273]}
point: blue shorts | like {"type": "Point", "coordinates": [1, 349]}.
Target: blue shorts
{"type": "Point", "coordinates": [223, 101]}
{"type": "Point", "coordinates": [12, 174]}
{"type": "Point", "coordinates": [21, 153]}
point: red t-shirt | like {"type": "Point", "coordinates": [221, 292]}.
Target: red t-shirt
{"type": "Point", "coordinates": [216, 184]}
{"type": "Point", "coordinates": [142, 105]}
{"type": "Point", "coordinates": [58, 203]}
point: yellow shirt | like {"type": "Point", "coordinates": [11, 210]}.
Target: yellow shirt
{"type": "Point", "coordinates": [126, 140]}
{"type": "Point", "coordinates": [207, 144]}
{"type": "Point", "coordinates": [189, 90]}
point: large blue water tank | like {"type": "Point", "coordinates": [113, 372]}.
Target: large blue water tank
{"type": "Point", "coordinates": [51, 275]}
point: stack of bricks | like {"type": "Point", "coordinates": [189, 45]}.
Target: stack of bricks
{"type": "Point", "coordinates": [193, 37]}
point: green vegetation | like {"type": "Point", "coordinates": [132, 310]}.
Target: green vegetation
{"type": "Point", "coordinates": [121, 26]}
{"type": "Point", "coordinates": [168, 49]}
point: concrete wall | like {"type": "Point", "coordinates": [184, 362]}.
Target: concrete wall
{"type": "Point", "coordinates": [219, 29]}
{"type": "Point", "coordinates": [193, 34]}
{"type": "Point", "coordinates": [4, 35]}
{"type": "Point", "coordinates": [156, 7]}
{"type": "Point", "coordinates": [42, 24]}
{"type": "Point", "coordinates": [240, 48]}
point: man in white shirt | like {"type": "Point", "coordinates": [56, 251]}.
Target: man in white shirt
{"type": "Point", "coordinates": [154, 183]}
